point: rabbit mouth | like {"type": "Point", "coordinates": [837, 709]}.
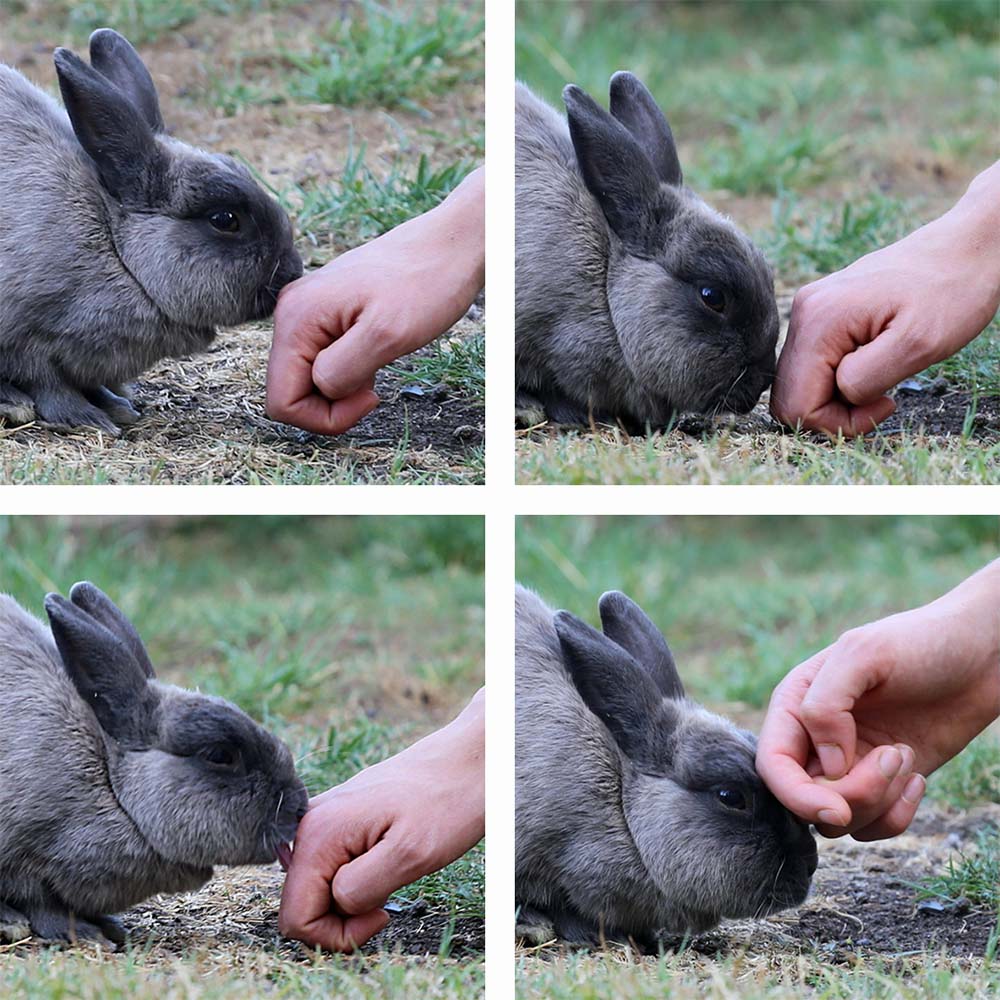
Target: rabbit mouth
{"type": "Point", "coordinates": [283, 855]}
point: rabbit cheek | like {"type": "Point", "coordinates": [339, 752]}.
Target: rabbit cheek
{"type": "Point", "coordinates": [650, 320]}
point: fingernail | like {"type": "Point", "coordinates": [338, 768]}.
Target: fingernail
{"type": "Point", "coordinates": [829, 818]}
{"type": "Point", "coordinates": [914, 790]}
{"type": "Point", "coordinates": [908, 758]}
{"type": "Point", "coordinates": [890, 760]}
{"type": "Point", "coordinates": [832, 759]}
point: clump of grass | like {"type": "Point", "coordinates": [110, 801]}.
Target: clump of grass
{"type": "Point", "coordinates": [363, 204]}
{"type": "Point", "coordinates": [459, 363]}
{"type": "Point", "coordinates": [974, 876]}
{"type": "Point", "coordinates": [970, 778]}
{"type": "Point", "coordinates": [143, 21]}
{"type": "Point", "coordinates": [807, 241]}
{"type": "Point", "coordinates": [753, 160]}
{"type": "Point", "coordinates": [389, 58]}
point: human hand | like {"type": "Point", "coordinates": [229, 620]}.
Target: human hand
{"type": "Point", "coordinates": [851, 732]}
{"type": "Point", "coordinates": [384, 828]}
{"type": "Point", "coordinates": [335, 327]}
{"type": "Point", "coordinates": [855, 334]}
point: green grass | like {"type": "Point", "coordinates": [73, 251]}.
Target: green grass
{"type": "Point", "coordinates": [388, 56]}
{"type": "Point", "coordinates": [733, 457]}
{"type": "Point", "coordinates": [52, 975]}
{"type": "Point", "coordinates": [459, 363]}
{"type": "Point", "coordinates": [141, 21]}
{"type": "Point", "coordinates": [365, 201]}
{"type": "Point", "coordinates": [972, 875]}
{"type": "Point", "coordinates": [970, 778]}
{"type": "Point", "coordinates": [584, 977]}
{"type": "Point", "coordinates": [743, 600]}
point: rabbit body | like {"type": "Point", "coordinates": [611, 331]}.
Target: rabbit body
{"type": "Point", "coordinates": [613, 255]}
{"type": "Point", "coordinates": [620, 833]}
{"type": "Point", "coordinates": [107, 796]}
{"type": "Point", "coordinates": [111, 258]}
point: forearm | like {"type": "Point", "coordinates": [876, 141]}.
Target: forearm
{"type": "Point", "coordinates": [971, 611]}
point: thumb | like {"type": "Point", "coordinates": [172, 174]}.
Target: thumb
{"type": "Point", "coordinates": [365, 883]}
{"type": "Point", "coordinates": [351, 361]}
{"type": "Point", "coordinates": [872, 369]}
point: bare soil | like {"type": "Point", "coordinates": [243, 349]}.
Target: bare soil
{"type": "Point", "coordinates": [236, 914]}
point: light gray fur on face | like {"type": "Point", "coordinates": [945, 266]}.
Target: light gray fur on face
{"type": "Point", "coordinates": [610, 845]}
{"type": "Point", "coordinates": [611, 327]}
{"type": "Point", "coordinates": [93, 824]}
{"type": "Point", "coordinates": [98, 284]}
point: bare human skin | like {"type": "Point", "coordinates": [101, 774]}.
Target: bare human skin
{"type": "Point", "coordinates": [384, 828]}
{"type": "Point", "coordinates": [855, 334]}
{"type": "Point", "coordinates": [851, 733]}
{"type": "Point", "coordinates": [334, 328]}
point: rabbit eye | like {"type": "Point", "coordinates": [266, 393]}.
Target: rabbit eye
{"type": "Point", "coordinates": [225, 221]}
{"type": "Point", "coordinates": [712, 297]}
{"type": "Point", "coordinates": [222, 755]}
{"type": "Point", "coordinates": [732, 798]}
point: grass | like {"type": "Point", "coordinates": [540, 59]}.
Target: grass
{"type": "Point", "coordinates": [688, 977]}
{"type": "Point", "coordinates": [729, 456]}
{"type": "Point", "coordinates": [365, 202]}
{"type": "Point", "coordinates": [972, 876]}
{"type": "Point", "coordinates": [824, 130]}
{"type": "Point", "coordinates": [741, 600]}
{"type": "Point", "coordinates": [460, 364]}
{"type": "Point", "coordinates": [388, 56]}
{"type": "Point", "coordinates": [308, 624]}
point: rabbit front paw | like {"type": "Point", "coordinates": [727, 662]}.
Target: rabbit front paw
{"type": "Point", "coordinates": [55, 926]}
{"type": "Point", "coordinates": [14, 925]}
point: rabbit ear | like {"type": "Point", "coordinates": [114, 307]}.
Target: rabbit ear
{"type": "Point", "coordinates": [112, 56]}
{"type": "Point", "coordinates": [625, 623]}
{"type": "Point", "coordinates": [110, 128]}
{"type": "Point", "coordinates": [102, 669]}
{"type": "Point", "coordinates": [633, 105]}
{"type": "Point", "coordinates": [615, 169]}
{"type": "Point", "coordinates": [619, 692]}
{"type": "Point", "coordinates": [100, 607]}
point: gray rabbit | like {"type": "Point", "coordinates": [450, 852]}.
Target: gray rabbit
{"type": "Point", "coordinates": [638, 812]}
{"type": "Point", "coordinates": [634, 299]}
{"type": "Point", "coordinates": [119, 245]}
{"type": "Point", "coordinates": [114, 786]}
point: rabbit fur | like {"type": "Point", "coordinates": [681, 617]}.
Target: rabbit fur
{"type": "Point", "coordinates": [616, 262]}
{"type": "Point", "coordinates": [638, 812]}
{"type": "Point", "coordinates": [111, 252]}
{"type": "Point", "coordinates": [115, 786]}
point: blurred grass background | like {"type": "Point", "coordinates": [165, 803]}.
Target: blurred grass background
{"type": "Point", "coordinates": [742, 600]}
{"type": "Point", "coordinates": [349, 637]}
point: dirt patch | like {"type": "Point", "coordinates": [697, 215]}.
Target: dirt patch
{"type": "Point", "coordinates": [203, 421]}
{"type": "Point", "coordinates": [237, 912]}
{"type": "Point", "coordinates": [863, 901]}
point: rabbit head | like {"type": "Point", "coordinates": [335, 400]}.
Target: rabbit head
{"type": "Point", "coordinates": [714, 841]}
{"type": "Point", "coordinates": [201, 238]}
{"type": "Point", "coordinates": [201, 781]}
{"type": "Point", "coordinates": [690, 297]}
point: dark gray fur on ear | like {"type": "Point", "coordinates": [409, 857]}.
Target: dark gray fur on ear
{"type": "Point", "coordinates": [616, 170]}
{"type": "Point", "coordinates": [619, 692]}
{"type": "Point", "coordinates": [112, 56]}
{"type": "Point", "coordinates": [625, 623]}
{"type": "Point", "coordinates": [100, 607]}
{"type": "Point", "coordinates": [111, 129]}
{"type": "Point", "coordinates": [633, 105]}
{"type": "Point", "coordinates": [103, 670]}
